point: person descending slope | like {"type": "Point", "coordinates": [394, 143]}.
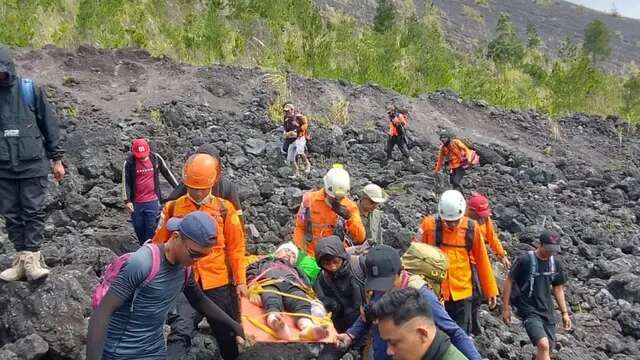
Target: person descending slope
{"type": "Point", "coordinates": [397, 133]}
{"type": "Point", "coordinates": [328, 211]}
{"type": "Point", "coordinates": [460, 239]}
{"type": "Point", "coordinates": [457, 157]}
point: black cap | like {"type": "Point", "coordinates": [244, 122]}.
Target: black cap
{"type": "Point", "coordinates": [382, 264]}
{"type": "Point", "coordinates": [550, 240]}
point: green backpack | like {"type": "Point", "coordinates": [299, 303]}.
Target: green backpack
{"type": "Point", "coordinates": [428, 262]}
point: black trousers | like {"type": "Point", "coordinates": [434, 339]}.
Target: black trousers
{"type": "Point", "coordinates": [184, 324]}
{"type": "Point", "coordinates": [399, 141]}
{"type": "Point", "coordinates": [277, 303]}
{"type": "Point", "coordinates": [460, 312]}
{"type": "Point", "coordinates": [476, 328]}
{"type": "Point", "coordinates": [455, 178]}
{"type": "Point", "coordinates": [22, 203]}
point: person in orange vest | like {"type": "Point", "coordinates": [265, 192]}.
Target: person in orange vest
{"type": "Point", "coordinates": [460, 238]}
{"type": "Point", "coordinates": [397, 132]}
{"type": "Point", "coordinates": [479, 210]}
{"type": "Point", "coordinates": [221, 274]}
{"type": "Point", "coordinates": [456, 156]}
{"type": "Point", "coordinates": [327, 212]}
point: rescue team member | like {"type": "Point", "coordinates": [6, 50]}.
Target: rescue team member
{"type": "Point", "coordinates": [221, 274]}
{"type": "Point", "coordinates": [383, 271]}
{"type": "Point", "coordinates": [531, 281]}
{"type": "Point", "coordinates": [456, 156]}
{"type": "Point", "coordinates": [397, 133]}
{"type": "Point", "coordinates": [128, 323]}
{"type": "Point", "coordinates": [29, 146]}
{"type": "Point", "coordinates": [223, 188]}
{"type": "Point", "coordinates": [480, 211]}
{"type": "Point", "coordinates": [405, 322]}
{"type": "Point", "coordinates": [327, 212]}
{"type": "Point", "coordinates": [460, 239]}
{"type": "Point", "coordinates": [141, 187]}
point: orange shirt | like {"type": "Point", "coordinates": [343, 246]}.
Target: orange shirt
{"type": "Point", "coordinates": [455, 151]}
{"type": "Point", "coordinates": [458, 284]}
{"type": "Point", "coordinates": [402, 119]}
{"type": "Point", "coordinates": [323, 221]}
{"type": "Point", "coordinates": [212, 270]}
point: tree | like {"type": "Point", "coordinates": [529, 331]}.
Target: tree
{"type": "Point", "coordinates": [506, 48]}
{"type": "Point", "coordinates": [385, 16]}
{"type": "Point", "coordinates": [596, 41]}
{"type": "Point", "coordinates": [631, 97]}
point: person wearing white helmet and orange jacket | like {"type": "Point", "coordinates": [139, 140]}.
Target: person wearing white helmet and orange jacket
{"type": "Point", "coordinates": [327, 212]}
{"type": "Point", "coordinates": [460, 238]}
{"type": "Point", "coordinates": [222, 273]}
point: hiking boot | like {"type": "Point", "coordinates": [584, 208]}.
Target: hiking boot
{"type": "Point", "coordinates": [32, 266]}
{"type": "Point", "coordinates": [16, 271]}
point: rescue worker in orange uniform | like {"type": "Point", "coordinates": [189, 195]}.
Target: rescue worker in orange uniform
{"type": "Point", "coordinates": [461, 240]}
{"type": "Point", "coordinates": [221, 274]}
{"type": "Point", "coordinates": [479, 210]}
{"type": "Point", "coordinates": [327, 212]}
{"type": "Point", "coordinates": [397, 132]}
{"type": "Point", "coordinates": [456, 156]}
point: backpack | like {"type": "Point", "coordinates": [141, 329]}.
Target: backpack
{"type": "Point", "coordinates": [111, 271]}
{"type": "Point", "coordinates": [469, 235]}
{"type": "Point", "coordinates": [474, 155]}
{"type": "Point", "coordinates": [516, 291]}
{"type": "Point", "coordinates": [428, 262]}
{"type": "Point", "coordinates": [27, 92]}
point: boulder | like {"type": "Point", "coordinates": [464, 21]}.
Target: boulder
{"type": "Point", "coordinates": [32, 347]}
{"type": "Point", "coordinates": [255, 146]}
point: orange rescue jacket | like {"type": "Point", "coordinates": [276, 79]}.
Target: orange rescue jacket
{"type": "Point", "coordinates": [212, 271]}
{"type": "Point", "coordinates": [458, 284]}
{"type": "Point", "coordinates": [456, 152]}
{"type": "Point", "coordinates": [402, 119]}
{"type": "Point", "coordinates": [323, 221]}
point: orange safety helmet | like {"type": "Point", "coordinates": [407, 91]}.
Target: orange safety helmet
{"type": "Point", "coordinates": [201, 171]}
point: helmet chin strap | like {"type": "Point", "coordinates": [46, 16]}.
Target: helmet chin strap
{"type": "Point", "coordinates": [204, 200]}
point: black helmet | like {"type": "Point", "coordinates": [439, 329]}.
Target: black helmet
{"type": "Point", "coordinates": [445, 136]}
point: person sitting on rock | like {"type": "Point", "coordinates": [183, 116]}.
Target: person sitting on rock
{"type": "Point", "coordinates": [223, 188]}
{"type": "Point", "coordinates": [456, 156]}
{"type": "Point", "coordinates": [534, 276]}
{"type": "Point", "coordinates": [141, 187]}
{"type": "Point", "coordinates": [298, 148]}
{"type": "Point", "coordinates": [406, 324]}
{"type": "Point", "coordinates": [461, 240]}
{"type": "Point", "coordinates": [128, 322]}
{"type": "Point", "coordinates": [272, 277]}
{"type": "Point", "coordinates": [397, 133]}
{"type": "Point", "coordinates": [327, 212]}
{"type": "Point", "coordinates": [29, 150]}
{"type": "Point", "coordinates": [479, 210]}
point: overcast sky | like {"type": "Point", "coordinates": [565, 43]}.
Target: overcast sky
{"type": "Point", "coordinates": [628, 8]}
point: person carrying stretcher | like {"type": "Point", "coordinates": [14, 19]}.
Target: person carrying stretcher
{"type": "Point", "coordinates": [276, 285]}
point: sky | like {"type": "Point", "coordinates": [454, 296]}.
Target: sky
{"type": "Point", "coordinates": [627, 8]}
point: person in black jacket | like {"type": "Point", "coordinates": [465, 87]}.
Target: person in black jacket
{"type": "Point", "coordinates": [339, 287]}
{"type": "Point", "coordinates": [29, 150]}
{"type": "Point", "coordinates": [278, 273]}
{"type": "Point", "coordinates": [141, 187]}
{"type": "Point", "coordinates": [223, 188]}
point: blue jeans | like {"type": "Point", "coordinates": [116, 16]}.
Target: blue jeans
{"type": "Point", "coordinates": [145, 219]}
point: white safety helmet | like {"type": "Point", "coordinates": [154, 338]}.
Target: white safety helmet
{"type": "Point", "coordinates": [337, 182]}
{"type": "Point", "coordinates": [375, 193]}
{"type": "Point", "coordinates": [452, 205]}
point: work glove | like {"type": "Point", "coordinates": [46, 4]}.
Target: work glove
{"type": "Point", "coordinates": [340, 210]}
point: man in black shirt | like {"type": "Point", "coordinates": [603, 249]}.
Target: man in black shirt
{"type": "Point", "coordinates": [532, 279]}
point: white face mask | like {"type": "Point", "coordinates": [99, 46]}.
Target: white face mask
{"type": "Point", "coordinates": [204, 200]}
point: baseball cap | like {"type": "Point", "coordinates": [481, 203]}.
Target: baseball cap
{"type": "Point", "coordinates": [382, 264]}
{"type": "Point", "coordinates": [140, 148]}
{"type": "Point", "coordinates": [550, 240]}
{"type": "Point", "coordinates": [480, 204]}
{"type": "Point", "coordinates": [197, 226]}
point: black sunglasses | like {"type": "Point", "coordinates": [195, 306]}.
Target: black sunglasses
{"type": "Point", "coordinates": [193, 254]}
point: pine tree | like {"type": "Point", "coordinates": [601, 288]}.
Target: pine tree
{"type": "Point", "coordinates": [385, 16]}
{"type": "Point", "coordinates": [506, 48]}
{"type": "Point", "coordinates": [596, 41]}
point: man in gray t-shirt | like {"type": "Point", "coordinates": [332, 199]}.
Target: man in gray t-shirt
{"type": "Point", "coordinates": [129, 320]}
